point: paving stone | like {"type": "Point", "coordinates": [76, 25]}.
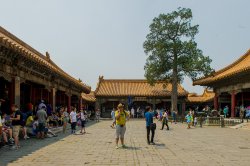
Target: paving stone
{"type": "Point", "coordinates": [179, 146]}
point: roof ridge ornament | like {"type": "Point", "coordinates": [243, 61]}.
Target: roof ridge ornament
{"type": "Point", "coordinates": [47, 56]}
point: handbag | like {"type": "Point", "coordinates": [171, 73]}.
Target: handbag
{"type": "Point", "coordinates": [153, 126]}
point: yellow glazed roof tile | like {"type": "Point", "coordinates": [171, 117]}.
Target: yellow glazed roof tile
{"type": "Point", "coordinates": [135, 88]}
{"type": "Point", "coordinates": [207, 96]}
{"type": "Point", "coordinates": [239, 66]}
{"type": "Point", "coordinates": [89, 97]}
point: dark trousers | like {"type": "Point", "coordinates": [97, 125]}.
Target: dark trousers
{"type": "Point", "coordinates": [152, 134]}
{"type": "Point", "coordinates": [73, 126]}
{"type": "Point", "coordinates": [164, 122]}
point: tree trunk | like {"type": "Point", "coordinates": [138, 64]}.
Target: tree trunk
{"type": "Point", "coordinates": [174, 94]}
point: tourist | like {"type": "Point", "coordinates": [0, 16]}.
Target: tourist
{"type": "Point", "coordinates": [42, 105]}
{"type": "Point", "coordinates": [188, 118]}
{"type": "Point", "coordinates": [54, 119]}
{"type": "Point", "coordinates": [150, 126]}
{"type": "Point", "coordinates": [83, 121]}
{"type": "Point", "coordinates": [73, 120]}
{"type": "Point", "coordinates": [138, 112]}
{"type": "Point", "coordinates": [242, 112]}
{"type": "Point", "coordinates": [113, 118]}
{"type": "Point", "coordinates": [174, 113]}
{"type": "Point", "coordinates": [24, 117]}
{"type": "Point", "coordinates": [35, 127]}
{"type": "Point", "coordinates": [195, 121]}
{"type": "Point", "coordinates": [97, 115]}
{"type": "Point", "coordinates": [225, 111]}
{"type": "Point", "coordinates": [42, 116]}
{"type": "Point", "coordinates": [6, 130]}
{"type": "Point", "coordinates": [120, 116]}
{"type": "Point", "coordinates": [65, 116]}
{"type": "Point", "coordinates": [165, 120]}
{"type": "Point", "coordinates": [16, 124]}
{"type": "Point", "coordinates": [132, 112]}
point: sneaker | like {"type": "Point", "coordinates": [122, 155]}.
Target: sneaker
{"type": "Point", "coordinates": [26, 137]}
{"type": "Point", "coordinates": [117, 147]}
{"type": "Point", "coordinates": [152, 143]}
{"type": "Point", "coordinates": [123, 146]}
{"type": "Point", "coordinates": [11, 140]}
{"type": "Point", "coordinates": [14, 147]}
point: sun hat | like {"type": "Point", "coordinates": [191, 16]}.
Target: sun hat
{"type": "Point", "coordinates": [120, 105]}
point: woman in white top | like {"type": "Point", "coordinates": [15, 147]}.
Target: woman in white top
{"type": "Point", "coordinates": [73, 120]}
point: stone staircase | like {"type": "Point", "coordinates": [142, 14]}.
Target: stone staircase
{"type": "Point", "coordinates": [243, 126]}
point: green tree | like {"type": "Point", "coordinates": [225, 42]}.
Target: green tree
{"type": "Point", "coordinates": [172, 51]}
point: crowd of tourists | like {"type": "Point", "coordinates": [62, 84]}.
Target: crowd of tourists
{"type": "Point", "coordinates": [36, 122]}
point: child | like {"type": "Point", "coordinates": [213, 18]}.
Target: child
{"type": "Point", "coordinates": [34, 126]}
{"type": "Point", "coordinates": [195, 121]}
{"type": "Point", "coordinates": [188, 117]}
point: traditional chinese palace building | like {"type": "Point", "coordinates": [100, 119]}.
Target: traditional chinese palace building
{"type": "Point", "coordinates": [230, 84]}
{"type": "Point", "coordinates": [89, 100]}
{"type": "Point", "coordinates": [27, 76]}
{"type": "Point", "coordinates": [206, 99]}
{"type": "Point", "coordinates": [136, 93]}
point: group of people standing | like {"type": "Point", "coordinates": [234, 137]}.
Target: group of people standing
{"type": "Point", "coordinates": [120, 116]}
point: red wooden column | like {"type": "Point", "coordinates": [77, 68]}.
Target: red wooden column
{"type": "Point", "coordinates": [53, 99]}
{"type": "Point", "coordinates": [233, 102]}
{"type": "Point", "coordinates": [16, 91]}
{"type": "Point", "coordinates": [69, 103]}
{"type": "Point", "coordinates": [11, 92]}
{"type": "Point", "coordinates": [80, 102]}
{"type": "Point", "coordinates": [216, 102]}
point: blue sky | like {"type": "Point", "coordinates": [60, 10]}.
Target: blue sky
{"type": "Point", "coordinates": [88, 38]}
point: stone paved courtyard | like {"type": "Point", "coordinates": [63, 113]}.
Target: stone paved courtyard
{"type": "Point", "coordinates": [179, 146]}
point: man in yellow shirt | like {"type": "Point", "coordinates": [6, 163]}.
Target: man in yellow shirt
{"type": "Point", "coordinates": [120, 115]}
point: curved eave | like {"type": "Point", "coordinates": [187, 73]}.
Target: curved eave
{"type": "Point", "coordinates": [239, 66]}
{"type": "Point", "coordinates": [212, 80]}
{"type": "Point", "coordinates": [11, 42]}
{"type": "Point", "coordinates": [135, 95]}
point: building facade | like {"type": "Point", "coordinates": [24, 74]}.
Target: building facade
{"type": "Point", "coordinates": [231, 85]}
{"type": "Point", "coordinates": [27, 76]}
{"type": "Point", "coordinates": [200, 101]}
{"type": "Point", "coordinates": [136, 93]}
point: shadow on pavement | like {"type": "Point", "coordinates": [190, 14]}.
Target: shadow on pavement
{"type": "Point", "coordinates": [132, 148]}
{"type": "Point", "coordinates": [7, 155]}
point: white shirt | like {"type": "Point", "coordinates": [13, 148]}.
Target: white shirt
{"type": "Point", "coordinates": [41, 105]}
{"type": "Point", "coordinates": [73, 116]}
{"type": "Point", "coordinates": [82, 116]}
{"type": "Point", "coordinates": [132, 111]}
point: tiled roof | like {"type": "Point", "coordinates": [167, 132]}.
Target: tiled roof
{"type": "Point", "coordinates": [207, 96]}
{"type": "Point", "coordinates": [89, 97]}
{"type": "Point", "coordinates": [239, 66]}
{"type": "Point", "coordinates": [135, 88]}
{"type": "Point", "coordinates": [10, 41]}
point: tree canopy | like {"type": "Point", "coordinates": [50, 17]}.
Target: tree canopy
{"type": "Point", "coordinates": [172, 51]}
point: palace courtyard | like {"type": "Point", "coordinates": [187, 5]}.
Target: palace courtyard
{"type": "Point", "coordinates": [178, 146]}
